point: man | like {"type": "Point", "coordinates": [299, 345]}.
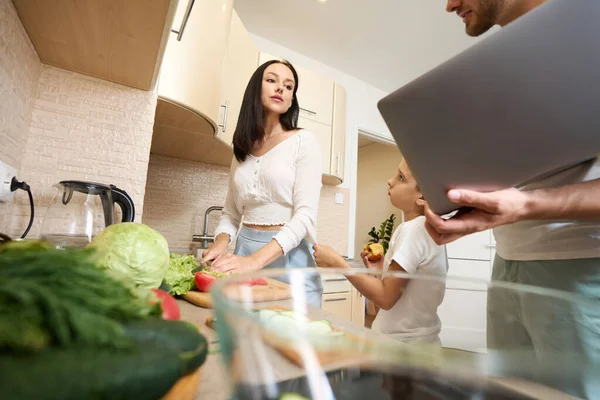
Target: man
{"type": "Point", "coordinates": [547, 234]}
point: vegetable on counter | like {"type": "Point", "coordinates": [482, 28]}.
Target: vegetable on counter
{"type": "Point", "coordinates": [205, 279]}
{"type": "Point", "coordinates": [135, 250]}
{"type": "Point", "coordinates": [70, 329]}
{"type": "Point", "coordinates": [291, 324]}
{"type": "Point", "coordinates": [61, 298]}
{"type": "Point", "coordinates": [179, 276]}
{"type": "Point", "coordinates": [170, 309]}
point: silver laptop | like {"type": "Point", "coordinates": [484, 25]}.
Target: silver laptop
{"type": "Point", "coordinates": [516, 106]}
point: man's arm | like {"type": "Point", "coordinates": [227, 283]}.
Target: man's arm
{"type": "Point", "coordinates": [579, 201]}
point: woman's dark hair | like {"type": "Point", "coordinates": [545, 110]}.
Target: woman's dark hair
{"type": "Point", "coordinates": [250, 125]}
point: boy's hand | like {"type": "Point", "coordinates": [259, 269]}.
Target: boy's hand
{"type": "Point", "coordinates": [326, 257]}
{"type": "Point", "coordinates": [371, 264]}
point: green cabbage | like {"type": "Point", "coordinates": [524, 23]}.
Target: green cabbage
{"type": "Point", "coordinates": [135, 250]}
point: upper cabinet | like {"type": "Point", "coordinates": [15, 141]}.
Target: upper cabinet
{"type": "Point", "coordinates": [193, 63]}
{"type": "Point", "coordinates": [119, 41]}
{"type": "Point", "coordinates": [189, 86]}
{"type": "Point", "coordinates": [240, 63]}
{"type": "Point", "coordinates": [323, 112]}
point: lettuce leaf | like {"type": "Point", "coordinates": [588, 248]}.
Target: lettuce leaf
{"type": "Point", "coordinates": [179, 275]}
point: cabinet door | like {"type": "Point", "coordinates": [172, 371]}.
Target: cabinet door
{"type": "Point", "coordinates": [315, 93]}
{"type": "Point", "coordinates": [192, 67]}
{"type": "Point", "coordinates": [358, 307]}
{"type": "Point", "coordinates": [463, 316]}
{"type": "Point", "coordinates": [470, 269]}
{"type": "Point", "coordinates": [338, 142]}
{"type": "Point", "coordinates": [476, 246]}
{"type": "Point", "coordinates": [339, 304]}
{"type": "Point", "coordinates": [323, 133]}
{"type": "Point", "coordinates": [240, 64]}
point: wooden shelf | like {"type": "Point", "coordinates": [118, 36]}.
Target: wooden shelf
{"type": "Point", "coordinates": [121, 41]}
{"type": "Point", "coordinates": [184, 134]}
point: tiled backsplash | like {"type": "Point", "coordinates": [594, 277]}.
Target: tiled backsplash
{"type": "Point", "coordinates": [84, 128]}
{"type": "Point", "coordinates": [19, 75]}
{"type": "Point", "coordinates": [179, 192]}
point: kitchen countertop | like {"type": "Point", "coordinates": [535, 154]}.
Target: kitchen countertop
{"type": "Point", "coordinates": [214, 381]}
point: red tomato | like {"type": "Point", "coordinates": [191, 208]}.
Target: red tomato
{"type": "Point", "coordinates": [168, 304]}
{"type": "Point", "coordinates": [204, 281]}
{"type": "Point", "coordinates": [258, 281]}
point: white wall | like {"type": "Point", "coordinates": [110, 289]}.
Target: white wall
{"type": "Point", "coordinates": [376, 164]}
{"type": "Point", "coordinates": [361, 114]}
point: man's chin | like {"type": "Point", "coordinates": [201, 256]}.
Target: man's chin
{"type": "Point", "coordinates": [477, 29]}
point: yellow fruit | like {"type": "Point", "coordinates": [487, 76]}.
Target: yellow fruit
{"type": "Point", "coordinates": [375, 251]}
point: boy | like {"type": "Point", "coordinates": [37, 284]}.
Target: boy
{"type": "Point", "coordinates": [408, 307]}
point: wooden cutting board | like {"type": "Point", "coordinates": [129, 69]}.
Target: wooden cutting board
{"type": "Point", "coordinates": [350, 354]}
{"type": "Point", "coordinates": [272, 291]}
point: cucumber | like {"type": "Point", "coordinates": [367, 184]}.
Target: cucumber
{"type": "Point", "coordinates": [179, 336]}
{"type": "Point", "coordinates": [318, 328]}
{"type": "Point", "coordinates": [141, 372]}
{"type": "Point", "coordinates": [292, 396]}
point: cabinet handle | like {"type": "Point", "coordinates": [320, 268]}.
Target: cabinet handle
{"type": "Point", "coordinates": [338, 160]}
{"type": "Point", "coordinates": [184, 21]}
{"type": "Point", "coordinates": [224, 124]}
{"type": "Point", "coordinates": [490, 246]}
{"type": "Point", "coordinates": [336, 299]}
{"type": "Point", "coordinates": [308, 111]}
{"type": "Point", "coordinates": [335, 280]}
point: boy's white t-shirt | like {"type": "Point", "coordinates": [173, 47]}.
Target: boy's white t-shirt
{"type": "Point", "coordinates": [415, 313]}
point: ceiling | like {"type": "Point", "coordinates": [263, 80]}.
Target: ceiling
{"type": "Point", "coordinates": [385, 43]}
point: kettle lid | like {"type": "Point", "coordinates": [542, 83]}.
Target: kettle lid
{"type": "Point", "coordinates": [86, 187]}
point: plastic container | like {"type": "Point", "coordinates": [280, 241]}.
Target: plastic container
{"type": "Point", "coordinates": [285, 348]}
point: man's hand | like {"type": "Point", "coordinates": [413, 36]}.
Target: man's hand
{"type": "Point", "coordinates": [326, 257]}
{"type": "Point", "coordinates": [371, 264]}
{"type": "Point", "coordinates": [488, 211]}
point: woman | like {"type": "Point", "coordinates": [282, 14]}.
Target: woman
{"type": "Point", "coordinates": [275, 183]}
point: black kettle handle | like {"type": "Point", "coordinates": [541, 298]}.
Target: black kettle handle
{"type": "Point", "coordinates": [125, 203]}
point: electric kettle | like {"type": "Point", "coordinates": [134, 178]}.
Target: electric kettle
{"type": "Point", "coordinates": [80, 210]}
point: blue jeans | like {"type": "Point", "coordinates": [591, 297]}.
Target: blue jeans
{"type": "Point", "coordinates": [250, 240]}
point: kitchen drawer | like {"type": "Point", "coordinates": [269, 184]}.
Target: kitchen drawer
{"type": "Point", "coordinates": [339, 304]}
{"type": "Point", "coordinates": [335, 283]}
{"type": "Point", "coordinates": [470, 269]}
{"type": "Point", "coordinates": [476, 246]}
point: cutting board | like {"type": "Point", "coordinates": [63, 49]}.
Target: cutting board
{"type": "Point", "coordinates": [351, 354]}
{"type": "Point", "coordinates": [272, 291]}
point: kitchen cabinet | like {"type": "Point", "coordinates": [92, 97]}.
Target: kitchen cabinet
{"type": "Point", "coordinates": [342, 299]}
{"type": "Point", "coordinates": [463, 311]}
{"type": "Point", "coordinates": [239, 65]}
{"type": "Point", "coordinates": [189, 87]}
{"type": "Point", "coordinates": [338, 138]}
{"type": "Point", "coordinates": [193, 63]}
{"type": "Point", "coordinates": [339, 304]}
{"type": "Point", "coordinates": [323, 112]}
{"type": "Point", "coordinates": [119, 41]}
{"type": "Point", "coordinates": [358, 307]}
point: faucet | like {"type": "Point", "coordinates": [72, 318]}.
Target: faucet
{"type": "Point", "coordinates": [204, 237]}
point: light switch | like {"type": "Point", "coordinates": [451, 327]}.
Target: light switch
{"type": "Point", "coordinates": [339, 198]}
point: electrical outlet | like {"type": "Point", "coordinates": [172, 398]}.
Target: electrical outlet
{"type": "Point", "coordinates": [6, 174]}
{"type": "Point", "coordinates": [338, 198]}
